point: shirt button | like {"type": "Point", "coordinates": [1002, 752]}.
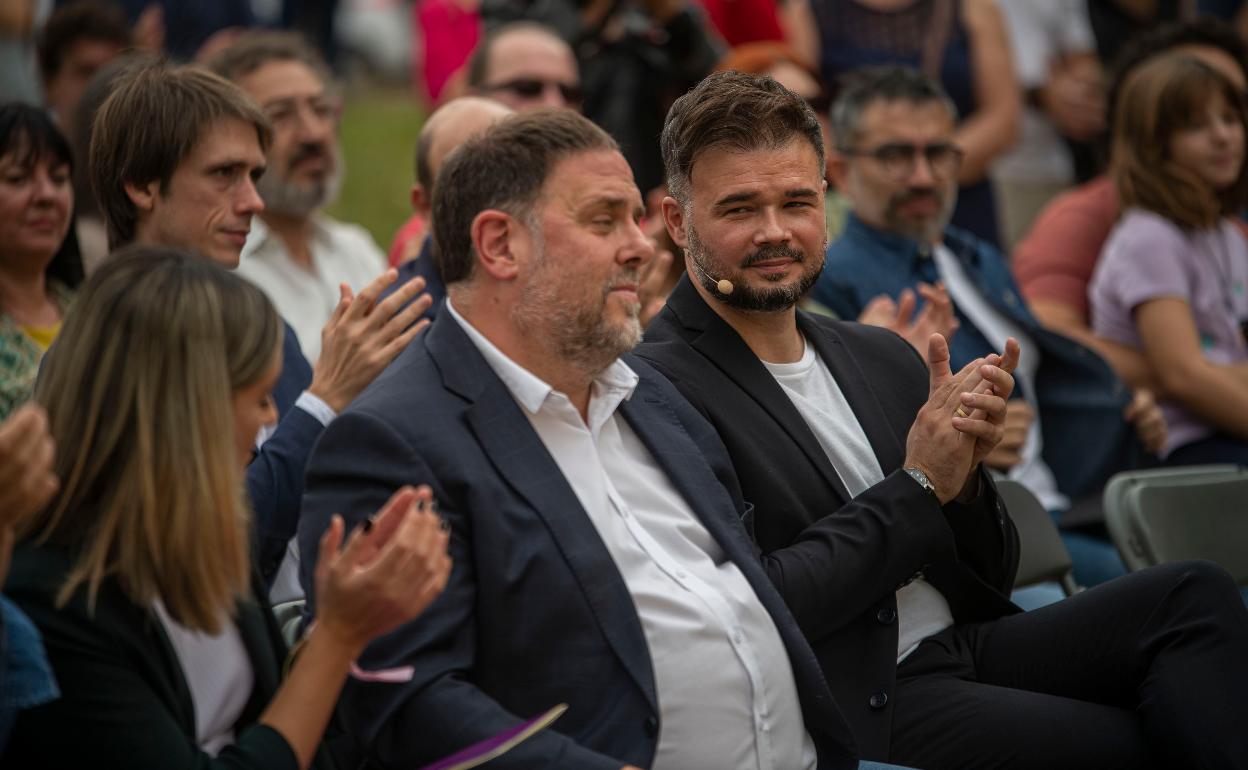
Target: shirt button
{"type": "Point", "coordinates": [766, 727]}
{"type": "Point", "coordinates": [886, 615]}
{"type": "Point", "coordinates": [879, 700]}
{"type": "Point", "coordinates": [652, 726]}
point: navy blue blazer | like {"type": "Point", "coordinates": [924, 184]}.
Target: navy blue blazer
{"type": "Point", "coordinates": [275, 475]}
{"type": "Point", "coordinates": [535, 612]}
{"type": "Point", "coordinates": [426, 267]}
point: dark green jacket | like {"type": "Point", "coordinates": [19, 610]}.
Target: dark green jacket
{"type": "Point", "coordinates": [124, 700]}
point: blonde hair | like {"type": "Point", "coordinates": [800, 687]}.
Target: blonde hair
{"type": "Point", "coordinates": [1161, 97]}
{"type": "Point", "coordinates": [139, 393]}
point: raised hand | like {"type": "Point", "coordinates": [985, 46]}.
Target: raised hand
{"type": "Point", "coordinates": [937, 316]}
{"type": "Point", "coordinates": [390, 570]}
{"type": "Point", "coordinates": [942, 443]}
{"type": "Point", "coordinates": [363, 336]}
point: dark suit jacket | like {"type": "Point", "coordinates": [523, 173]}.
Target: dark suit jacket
{"type": "Point", "coordinates": [535, 612]}
{"type": "Point", "coordinates": [426, 267]}
{"type": "Point", "coordinates": [838, 562]}
{"type": "Point", "coordinates": [275, 475]}
{"type": "Point", "coordinates": [124, 701]}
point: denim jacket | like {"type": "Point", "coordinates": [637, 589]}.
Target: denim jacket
{"type": "Point", "coordinates": [25, 674]}
{"type": "Point", "coordinates": [1081, 399]}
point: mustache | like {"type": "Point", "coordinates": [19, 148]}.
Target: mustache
{"type": "Point", "coordinates": [916, 195]}
{"type": "Point", "coordinates": [769, 253]}
{"type": "Point", "coordinates": [309, 151]}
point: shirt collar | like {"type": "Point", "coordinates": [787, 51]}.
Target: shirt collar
{"type": "Point", "coordinates": [615, 383]}
{"type": "Point", "coordinates": [260, 234]}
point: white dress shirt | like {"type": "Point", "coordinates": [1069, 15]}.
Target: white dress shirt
{"type": "Point", "coordinates": [726, 692]}
{"type": "Point", "coordinates": [921, 610]}
{"type": "Point", "coordinates": [341, 253]}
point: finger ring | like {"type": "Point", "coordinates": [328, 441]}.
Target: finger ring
{"type": "Point", "coordinates": [961, 412]}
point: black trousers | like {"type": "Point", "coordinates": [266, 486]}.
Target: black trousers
{"type": "Point", "coordinates": [1147, 670]}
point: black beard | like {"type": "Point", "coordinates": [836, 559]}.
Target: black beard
{"type": "Point", "coordinates": [749, 299]}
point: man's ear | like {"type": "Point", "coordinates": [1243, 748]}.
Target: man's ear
{"type": "Point", "coordinates": [497, 239]}
{"type": "Point", "coordinates": [422, 202]}
{"type": "Point", "coordinates": [674, 218]}
{"type": "Point", "coordinates": [143, 196]}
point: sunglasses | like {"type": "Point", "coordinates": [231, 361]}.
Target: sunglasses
{"type": "Point", "coordinates": [532, 88]}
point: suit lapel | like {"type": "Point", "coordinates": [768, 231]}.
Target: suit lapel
{"type": "Point", "coordinates": [522, 460]}
{"type": "Point", "coordinates": [858, 392]}
{"type": "Point", "coordinates": [724, 348]}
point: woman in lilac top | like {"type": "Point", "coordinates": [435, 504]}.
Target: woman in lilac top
{"type": "Point", "coordinates": [1171, 279]}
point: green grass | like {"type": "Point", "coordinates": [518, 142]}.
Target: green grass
{"type": "Point", "coordinates": [379, 129]}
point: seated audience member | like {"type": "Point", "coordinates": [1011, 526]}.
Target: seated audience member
{"type": "Point", "coordinates": [27, 482]}
{"type": "Point", "coordinates": [887, 542]}
{"type": "Point", "coordinates": [78, 39]}
{"type": "Point", "coordinates": [897, 161]}
{"type": "Point", "coordinates": [295, 252]}
{"type": "Point", "coordinates": [139, 573]}
{"type": "Point", "coordinates": [451, 125]}
{"type": "Point", "coordinates": [1171, 280]}
{"type": "Point", "coordinates": [1054, 261]}
{"type": "Point", "coordinates": [36, 198]}
{"type": "Point", "coordinates": [597, 533]}
{"type": "Point", "coordinates": [188, 179]}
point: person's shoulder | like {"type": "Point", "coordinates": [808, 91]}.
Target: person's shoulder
{"type": "Point", "coordinates": [1148, 230]}
{"type": "Point", "coordinates": [353, 238]}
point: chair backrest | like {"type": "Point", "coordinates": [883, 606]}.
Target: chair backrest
{"type": "Point", "coordinates": [1043, 557]}
{"type": "Point", "coordinates": [1172, 514]}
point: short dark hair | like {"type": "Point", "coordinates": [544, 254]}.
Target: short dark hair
{"type": "Point", "coordinates": [479, 61]}
{"type": "Point", "coordinates": [151, 121]}
{"type": "Point", "coordinates": [83, 20]}
{"type": "Point", "coordinates": [255, 48]}
{"type": "Point", "coordinates": [505, 168]}
{"type": "Point", "coordinates": [863, 87]}
{"type": "Point", "coordinates": [1205, 31]}
{"type": "Point", "coordinates": [744, 112]}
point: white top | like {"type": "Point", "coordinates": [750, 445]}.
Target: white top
{"type": "Point", "coordinates": [921, 610]}
{"type": "Point", "coordinates": [726, 692]}
{"type": "Point", "coordinates": [1041, 32]}
{"type": "Point", "coordinates": [218, 674]}
{"type": "Point", "coordinates": [1032, 472]}
{"type": "Point", "coordinates": [341, 253]}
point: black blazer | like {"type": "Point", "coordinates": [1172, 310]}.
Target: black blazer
{"type": "Point", "coordinates": [535, 611]}
{"type": "Point", "coordinates": [124, 701]}
{"type": "Point", "coordinates": [838, 562]}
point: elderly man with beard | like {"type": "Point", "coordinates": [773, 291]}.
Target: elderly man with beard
{"type": "Point", "coordinates": [601, 558]}
{"type": "Point", "coordinates": [297, 254]}
{"type": "Point", "coordinates": [893, 551]}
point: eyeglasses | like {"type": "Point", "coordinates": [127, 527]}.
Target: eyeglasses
{"type": "Point", "coordinates": [532, 88]}
{"type": "Point", "coordinates": [898, 160]}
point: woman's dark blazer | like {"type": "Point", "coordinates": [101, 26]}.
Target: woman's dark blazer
{"type": "Point", "coordinates": [124, 700]}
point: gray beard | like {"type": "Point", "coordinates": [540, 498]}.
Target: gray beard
{"type": "Point", "coordinates": [300, 200]}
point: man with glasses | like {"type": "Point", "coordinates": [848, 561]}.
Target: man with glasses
{"type": "Point", "coordinates": [296, 253]}
{"type": "Point", "coordinates": [525, 66]}
{"type": "Point", "coordinates": [1071, 422]}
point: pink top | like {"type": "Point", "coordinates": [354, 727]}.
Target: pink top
{"type": "Point", "coordinates": [412, 230]}
{"type": "Point", "coordinates": [450, 32]}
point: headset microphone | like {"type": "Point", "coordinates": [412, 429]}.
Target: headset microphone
{"type": "Point", "coordinates": [725, 286]}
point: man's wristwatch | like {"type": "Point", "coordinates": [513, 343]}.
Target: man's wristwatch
{"type": "Point", "coordinates": [922, 480]}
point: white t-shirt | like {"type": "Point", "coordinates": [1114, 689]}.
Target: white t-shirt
{"type": "Point", "coordinates": [219, 675]}
{"type": "Point", "coordinates": [809, 384]}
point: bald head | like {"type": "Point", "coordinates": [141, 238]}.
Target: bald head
{"type": "Point", "coordinates": [451, 125]}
